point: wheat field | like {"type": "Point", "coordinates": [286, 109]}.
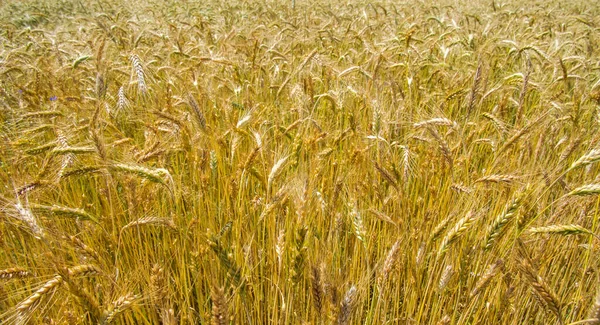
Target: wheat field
{"type": "Point", "coordinates": [299, 162]}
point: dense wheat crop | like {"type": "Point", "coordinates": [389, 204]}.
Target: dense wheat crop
{"type": "Point", "coordinates": [252, 162]}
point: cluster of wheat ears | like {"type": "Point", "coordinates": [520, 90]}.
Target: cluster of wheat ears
{"type": "Point", "coordinates": [299, 162]}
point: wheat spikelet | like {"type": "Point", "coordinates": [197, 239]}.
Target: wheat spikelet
{"type": "Point", "coordinates": [497, 226]}
{"type": "Point", "coordinates": [138, 69]}
{"type": "Point", "coordinates": [228, 263]}
{"type": "Point", "coordinates": [159, 295]}
{"type": "Point", "coordinates": [561, 230]}
{"type": "Point", "coordinates": [276, 170]}
{"type": "Point", "coordinates": [406, 165]}
{"type": "Point", "coordinates": [251, 157]}
{"type": "Point", "coordinates": [14, 273]}
{"type": "Point", "coordinates": [100, 86]}
{"type": "Point", "coordinates": [121, 142]}
{"type": "Point", "coordinates": [519, 134]}
{"type": "Point", "coordinates": [42, 114]}
{"type": "Point", "coordinates": [299, 254]}
{"type": "Point", "coordinates": [420, 254]}
{"type": "Point", "coordinates": [589, 189]}
{"type": "Point", "coordinates": [39, 128]}
{"type": "Point", "coordinates": [545, 296]}
{"type": "Point", "coordinates": [243, 121]}
{"type": "Point", "coordinates": [88, 301]}
{"type": "Point", "coordinates": [498, 124]}
{"type": "Point", "coordinates": [167, 317]}
{"type": "Point", "coordinates": [387, 175]}
{"type": "Point", "coordinates": [280, 247]}
{"type": "Point", "coordinates": [57, 210]}
{"type": "Point", "coordinates": [444, 321]}
{"type": "Point", "coordinates": [68, 158]}
{"type": "Point", "coordinates": [587, 159]}
{"type": "Point", "coordinates": [461, 226]}
{"type": "Point", "coordinates": [178, 123]}
{"type": "Point", "coordinates": [376, 125]}
{"type": "Point", "coordinates": [445, 277]}
{"type": "Point", "coordinates": [474, 89]}
{"type": "Point", "coordinates": [383, 217]}
{"type": "Point", "coordinates": [25, 215]}
{"type": "Point", "coordinates": [98, 143]}
{"type": "Point", "coordinates": [269, 209]}
{"type": "Point", "coordinates": [595, 311]}
{"type": "Point", "coordinates": [461, 188]}
{"type": "Point", "coordinates": [519, 114]}
{"type": "Point", "coordinates": [41, 149]}
{"type": "Point", "coordinates": [317, 289]}
{"type": "Point", "coordinates": [82, 171]}
{"type": "Point", "coordinates": [82, 270]}
{"type": "Point", "coordinates": [569, 150]}
{"type": "Point", "coordinates": [443, 145]}
{"type": "Point", "coordinates": [487, 277]}
{"type": "Point", "coordinates": [219, 315]}
{"type": "Point", "coordinates": [157, 285]}
{"type": "Point", "coordinates": [118, 306]}
{"type": "Point", "coordinates": [31, 186]}
{"type": "Point", "coordinates": [437, 121]}
{"type": "Point", "coordinates": [122, 102]}
{"type": "Point", "coordinates": [388, 265]}
{"type": "Point", "coordinates": [72, 150]}
{"type": "Point", "coordinates": [506, 179]}
{"type": "Point", "coordinates": [200, 119]}
{"type": "Point", "coordinates": [48, 287]}
{"type": "Point", "coordinates": [85, 248]}
{"type": "Point", "coordinates": [293, 126]}
{"type": "Point", "coordinates": [357, 222]}
{"type": "Point", "coordinates": [437, 231]}
{"type": "Point", "coordinates": [346, 307]}
{"type": "Point", "coordinates": [150, 155]}
{"type": "Point", "coordinates": [150, 220]}
{"type": "Point", "coordinates": [156, 175]}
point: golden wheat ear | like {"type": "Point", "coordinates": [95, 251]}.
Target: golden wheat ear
{"type": "Point", "coordinates": [220, 309]}
{"type": "Point", "coordinates": [117, 307]}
